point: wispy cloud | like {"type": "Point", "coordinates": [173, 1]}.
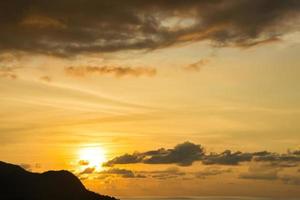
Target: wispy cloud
{"type": "Point", "coordinates": [110, 70]}
{"type": "Point", "coordinates": [124, 173]}
{"type": "Point", "coordinates": [197, 65]}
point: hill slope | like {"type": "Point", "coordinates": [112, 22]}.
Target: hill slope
{"type": "Point", "coordinates": [19, 184]}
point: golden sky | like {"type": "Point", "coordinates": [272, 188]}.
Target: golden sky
{"type": "Point", "coordinates": [154, 98]}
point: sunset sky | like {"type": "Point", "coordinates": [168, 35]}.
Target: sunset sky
{"type": "Point", "coordinates": [154, 98]}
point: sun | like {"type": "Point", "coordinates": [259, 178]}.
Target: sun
{"type": "Point", "coordinates": [92, 156]}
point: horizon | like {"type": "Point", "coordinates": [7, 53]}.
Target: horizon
{"type": "Point", "coordinates": [154, 98]}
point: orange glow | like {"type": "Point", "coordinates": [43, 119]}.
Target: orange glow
{"type": "Point", "coordinates": [94, 156]}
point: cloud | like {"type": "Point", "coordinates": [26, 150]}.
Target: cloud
{"type": "Point", "coordinates": [88, 170]}
{"type": "Point", "coordinates": [290, 179]}
{"type": "Point", "coordinates": [183, 154]}
{"type": "Point", "coordinates": [125, 159]}
{"type": "Point", "coordinates": [297, 152]}
{"type": "Point", "coordinates": [197, 65]}
{"type": "Point", "coordinates": [114, 70]}
{"type": "Point", "coordinates": [8, 72]}
{"type": "Point", "coordinates": [211, 171]}
{"type": "Point", "coordinates": [46, 78]}
{"type": "Point", "coordinates": [124, 173]}
{"type": "Point", "coordinates": [83, 162]}
{"type": "Point", "coordinates": [8, 75]}
{"type": "Point", "coordinates": [275, 157]}
{"type": "Point", "coordinates": [263, 172]}
{"type": "Point", "coordinates": [65, 28]}
{"type": "Point", "coordinates": [172, 172]}
{"type": "Point", "coordinates": [227, 158]}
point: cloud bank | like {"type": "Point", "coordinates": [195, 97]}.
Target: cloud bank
{"type": "Point", "coordinates": [66, 28]}
{"type": "Point", "coordinates": [185, 154]}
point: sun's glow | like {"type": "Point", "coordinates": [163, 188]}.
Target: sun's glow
{"type": "Point", "coordinates": [92, 156]}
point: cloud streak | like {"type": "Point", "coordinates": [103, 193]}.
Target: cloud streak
{"type": "Point", "coordinates": [110, 70]}
{"type": "Point", "coordinates": [124, 173]}
{"type": "Point", "coordinates": [211, 171]}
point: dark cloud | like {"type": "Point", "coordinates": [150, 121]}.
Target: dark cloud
{"type": "Point", "coordinates": [182, 154]}
{"type": "Point", "coordinates": [65, 27]}
{"type": "Point", "coordinates": [275, 157]}
{"type": "Point", "coordinates": [227, 158]}
{"type": "Point", "coordinates": [125, 159]}
{"type": "Point", "coordinates": [234, 158]}
{"type": "Point", "coordinates": [186, 153]}
{"type": "Point", "coordinates": [113, 70]}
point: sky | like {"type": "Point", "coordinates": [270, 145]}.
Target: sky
{"type": "Point", "coordinates": [154, 98]}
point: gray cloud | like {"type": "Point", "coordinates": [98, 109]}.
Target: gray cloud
{"type": "Point", "coordinates": [64, 27]}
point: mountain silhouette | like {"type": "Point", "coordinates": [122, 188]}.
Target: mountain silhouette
{"type": "Point", "coordinates": [18, 184]}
